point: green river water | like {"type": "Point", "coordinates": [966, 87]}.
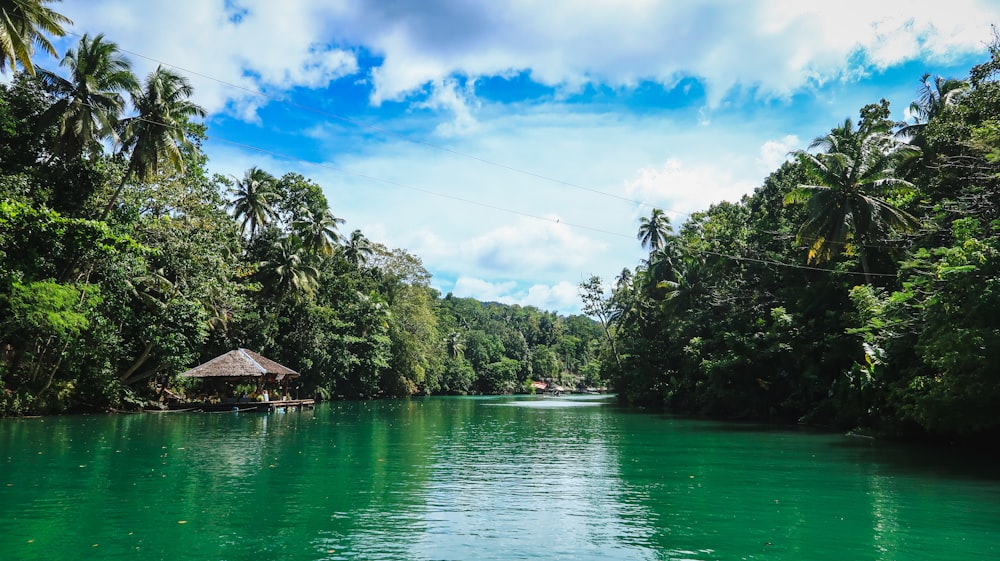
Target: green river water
{"type": "Point", "coordinates": [478, 478]}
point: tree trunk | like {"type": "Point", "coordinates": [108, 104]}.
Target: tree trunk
{"type": "Point", "coordinates": [124, 376]}
{"type": "Point", "coordinates": [611, 343]}
{"type": "Point", "coordinates": [142, 376]}
{"type": "Point", "coordinates": [52, 373]}
{"type": "Point", "coordinates": [116, 194]}
{"type": "Point", "coordinates": [864, 266]}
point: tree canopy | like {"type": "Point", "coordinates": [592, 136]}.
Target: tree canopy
{"type": "Point", "coordinates": [182, 265]}
{"type": "Point", "coordinates": [857, 286]}
{"type": "Point", "coordinates": [854, 288]}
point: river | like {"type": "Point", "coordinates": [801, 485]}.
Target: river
{"type": "Point", "coordinates": [479, 478]}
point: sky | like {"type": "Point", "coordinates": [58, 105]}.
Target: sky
{"type": "Point", "coordinates": [513, 145]}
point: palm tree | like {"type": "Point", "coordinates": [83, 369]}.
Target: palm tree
{"type": "Point", "coordinates": [23, 24]}
{"type": "Point", "coordinates": [934, 96]}
{"type": "Point", "coordinates": [287, 273]}
{"type": "Point", "coordinates": [628, 301]}
{"type": "Point", "coordinates": [454, 345]}
{"type": "Point", "coordinates": [216, 309]}
{"type": "Point", "coordinates": [653, 231]}
{"type": "Point", "coordinates": [318, 230]}
{"type": "Point", "coordinates": [664, 262]}
{"type": "Point", "coordinates": [680, 294]}
{"type": "Point", "coordinates": [358, 249]}
{"type": "Point", "coordinates": [90, 101]}
{"type": "Point", "coordinates": [853, 173]}
{"type": "Point", "coordinates": [254, 195]}
{"type": "Point", "coordinates": [155, 135]}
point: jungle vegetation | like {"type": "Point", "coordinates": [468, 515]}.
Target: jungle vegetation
{"type": "Point", "coordinates": [124, 261]}
{"type": "Point", "coordinates": [856, 287]}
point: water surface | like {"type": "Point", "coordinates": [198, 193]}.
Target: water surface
{"type": "Point", "coordinates": [478, 478]}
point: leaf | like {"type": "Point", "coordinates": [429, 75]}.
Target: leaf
{"type": "Point", "coordinates": [956, 270]}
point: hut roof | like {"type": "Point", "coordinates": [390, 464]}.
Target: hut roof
{"type": "Point", "coordinates": [240, 364]}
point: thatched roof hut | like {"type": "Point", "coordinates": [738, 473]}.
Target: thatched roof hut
{"type": "Point", "coordinates": [241, 364]}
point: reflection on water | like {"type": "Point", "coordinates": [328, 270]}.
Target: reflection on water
{"type": "Point", "coordinates": [555, 402]}
{"type": "Point", "coordinates": [542, 471]}
{"type": "Point", "coordinates": [476, 478]}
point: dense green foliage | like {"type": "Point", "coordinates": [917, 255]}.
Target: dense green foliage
{"type": "Point", "coordinates": [24, 25]}
{"type": "Point", "coordinates": [121, 269]}
{"type": "Point", "coordinates": [858, 286]}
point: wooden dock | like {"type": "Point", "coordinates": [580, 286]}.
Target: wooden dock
{"type": "Point", "coordinates": [245, 405]}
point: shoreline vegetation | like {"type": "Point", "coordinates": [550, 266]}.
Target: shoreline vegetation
{"type": "Point", "coordinates": [125, 261]}
{"type": "Point", "coordinates": [857, 287]}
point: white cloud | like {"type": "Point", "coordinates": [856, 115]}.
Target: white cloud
{"type": "Point", "coordinates": [403, 71]}
{"type": "Point", "coordinates": [530, 244]}
{"type": "Point", "coordinates": [681, 190]}
{"type": "Point", "coordinates": [772, 48]}
{"type": "Point", "coordinates": [446, 96]}
{"type": "Point", "coordinates": [269, 47]}
{"type": "Point", "coordinates": [562, 296]}
{"type": "Point", "coordinates": [470, 287]}
{"type": "Point", "coordinates": [429, 243]}
{"type": "Point", "coordinates": [773, 153]}
{"type": "Point", "coordinates": [565, 43]}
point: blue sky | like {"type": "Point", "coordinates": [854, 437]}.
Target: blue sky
{"type": "Point", "coordinates": [513, 145]}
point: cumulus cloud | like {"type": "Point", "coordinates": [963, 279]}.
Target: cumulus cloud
{"type": "Point", "coordinates": [773, 153]}
{"type": "Point", "coordinates": [471, 287]}
{"type": "Point", "coordinates": [561, 296]}
{"type": "Point", "coordinates": [231, 51]}
{"type": "Point", "coordinates": [256, 44]}
{"type": "Point", "coordinates": [565, 43]}
{"type": "Point", "coordinates": [530, 244]}
{"type": "Point", "coordinates": [680, 190]}
{"type": "Point", "coordinates": [511, 263]}
{"type": "Point", "coordinates": [446, 96]}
